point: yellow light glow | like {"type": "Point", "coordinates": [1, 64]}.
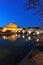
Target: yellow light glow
{"type": "Point", "coordinates": [4, 37]}
{"type": "Point", "coordinates": [12, 27]}
{"type": "Point", "coordinates": [12, 38]}
{"type": "Point", "coordinates": [4, 29]}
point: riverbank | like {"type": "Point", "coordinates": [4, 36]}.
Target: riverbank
{"type": "Point", "coordinates": [36, 58]}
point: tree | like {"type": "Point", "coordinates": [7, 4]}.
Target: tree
{"type": "Point", "coordinates": [35, 4]}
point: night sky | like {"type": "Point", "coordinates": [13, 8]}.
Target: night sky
{"type": "Point", "coordinates": [13, 11]}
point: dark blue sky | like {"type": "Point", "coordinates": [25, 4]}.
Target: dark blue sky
{"type": "Point", "coordinates": [13, 10]}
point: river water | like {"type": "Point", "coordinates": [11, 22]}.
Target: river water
{"type": "Point", "coordinates": [12, 52]}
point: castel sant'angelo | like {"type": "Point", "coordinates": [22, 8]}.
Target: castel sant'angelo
{"type": "Point", "coordinates": [12, 27]}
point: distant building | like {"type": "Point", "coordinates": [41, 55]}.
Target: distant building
{"type": "Point", "coordinates": [11, 27]}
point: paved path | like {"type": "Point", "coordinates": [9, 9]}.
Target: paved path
{"type": "Point", "coordinates": [36, 58]}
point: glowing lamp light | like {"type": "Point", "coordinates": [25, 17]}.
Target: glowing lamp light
{"type": "Point", "coordinates": [23, 31]}
{"type": "Point", "coordinates": [29, 32]}
{"type": "Point", "coordinates": [38, 32]}
{"type": "Point", "coordinates": [23, 36]}
{"type": "Point", "coordinates": [29, 38]}
{"type": "Point", "coordinates": [37, 40]}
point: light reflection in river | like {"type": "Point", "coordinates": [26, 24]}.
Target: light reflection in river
{"type": "Point", "coordinates": [12, 37]}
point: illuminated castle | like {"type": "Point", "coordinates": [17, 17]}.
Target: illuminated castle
{"type": "Point", "coordinates": [11, 27]}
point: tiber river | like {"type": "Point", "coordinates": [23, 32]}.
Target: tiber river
{"type": "Point", "coordinates": [12, 52]}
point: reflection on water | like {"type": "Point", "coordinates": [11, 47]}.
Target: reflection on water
{"type": "Point", "coordinates": [12, 52]}
{"type": "Point", "coordinates": [12, 37]}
